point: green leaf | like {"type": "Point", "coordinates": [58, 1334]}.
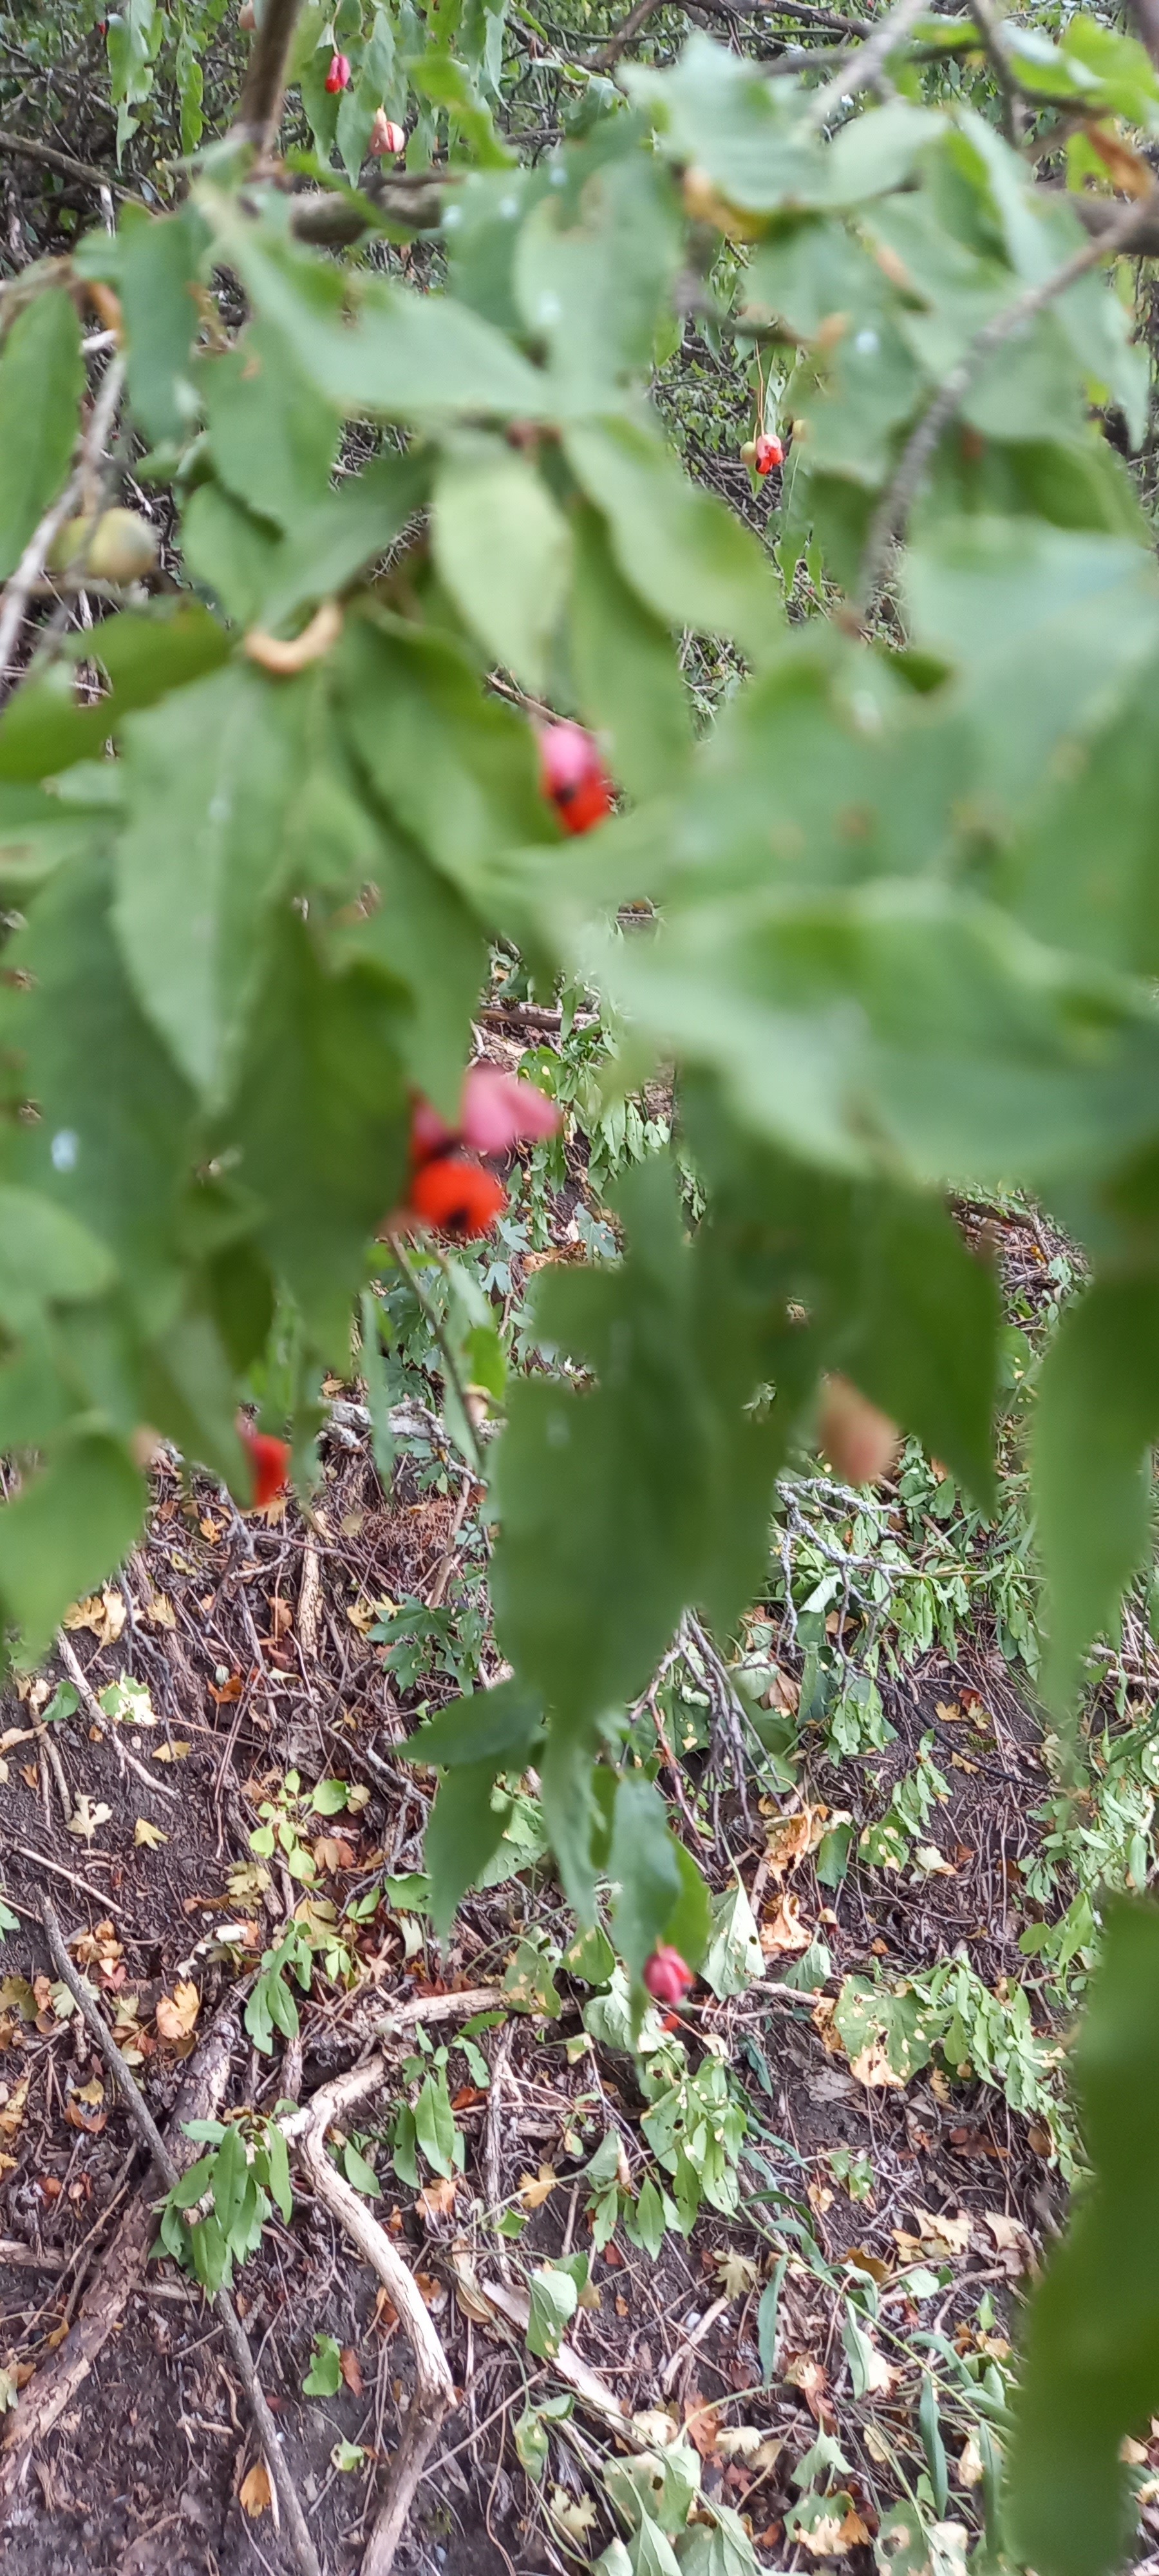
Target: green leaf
{"type": "Point", "coordinates": [554, 2299]}
{"type": "Point", "coordinates": [324, 2376]}
{"type": "Point", "coordinates": [930, 2428]}
{"type": "Point", "coordinates": [360, 2173]}
{"type": "Point", "coordinates": [42, 379]}
{"type": "Point", "coordinates": [627, 679]}
{"type": "Point", "coordinates": [146, 653]}
{"type": "Point", "coordinates": [45, 1253]}
{"type": "Point", "coordinates": [211, 779]}
{"type": "Point", "coordinates": [503, 548]}
{"type": "Point", "coordinates": [678, 547]}
{"type": "Point", "coordinates": [463, 1833]}
{"type": "Point", "coordinates": [229, 551]}
{"type": "Point", "coordinates": [65, 1532]}
{"type": "Point", "coordinates": [272, 438]}
{"type": "Point", "coordinates": [1090, 2369]}
{"type": "Point", "coordinates": [734, 1960]}
{"type": "Point", "coordinates": [230, 2171]}
{"type": "Point", "coordinates": [320, 1116]}
{"type": "Point", "coordinates": [767, 2307]}
{"type": "Point", "coordinates": [408, 915]}
{"type": "Point", "coordinates": [1097, 1413]}
{"type": "Point", "coordinates": [435, 2125]}
{"type": "Point", "coordinates": [329, 1797]}
{"type": "Point", "coordinates": [158, 267]}
{"type": "Point", "coordinates": [643, 1869]}
{"type": "Point", "coordinates": [328, 543]}
{"type": "Point", "coordinates": [500, 1727]}
{"type": "Point", "coordinates": [278, 2171]}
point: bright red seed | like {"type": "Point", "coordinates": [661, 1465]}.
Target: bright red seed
{"type": "Point", "coordinates": [769, 452]}
{"type": "Point", "coordinates": [574, 776]}
{"type": "Point", "coordinates": [270, 1462]}
{"type": "Point", "coordinates": [666, 1975]}
{"type": "Point", "coordinates": [456, 1195]}
{"type": "Point", "coordinates": [338, 76]}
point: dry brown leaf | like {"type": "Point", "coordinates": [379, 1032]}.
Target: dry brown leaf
{"type": "Point", "coordinates": [855, 2533]}
{"type": "Point", "coordinates": [819, 2197]}
{"type": "Point", "coordinates": [534, 2189]}
{"type": "Point", "coordinates": [936, 2233]}
{"type": "Point", "coordinates": [785, 1931]}
{"type": "Point", "coordinates": [350, 2368]}
{"type": "Point", "coordinates": [12, 2114]}
{"type": "Point", "coordinates": [968, 2465]}
{"type": "Point", "coordinates": [254, 2491]}
{"type": "Point", "coordinates": [864, 2261]}
{"type": "Point", "coordinates": [788, 1839]}
{"type": "Point", "coordinates": [175, 1752]}
{"type": "Point", "coordinates": [160, 1611]}
{"type": "Point", "coordinates": [103, 1612]}
{"type": "Point", "coordinates": [702, 2423]}
{"type": "Point", "coordinates": [949, 1711]}
{"type": "Point", "coordinates": [386, 2313]}
{"type": "Point", "coordinates": [824, 2540]}
{"type": "Point", "coordinates": [148, 1835]}
{"type": "Point", "coordinates": [438, 2199]}
{"type": "Point", "coordinates": [176, 2013]}
{"type": "Point", "coordinates": [432, 2292]}
{"type": "Point", "coordinates": [803, 2372]}
{"type": "Point", "coordinates": [93, 2092]}
{"type": "Point", "coordinates": [737, 2273]}
{"type": "Point", "coordinates": [332, 1851]}
{"type": "Point", "coordinates": [1126, 168]}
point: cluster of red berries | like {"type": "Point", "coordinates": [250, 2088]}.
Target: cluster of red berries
{"type": "Point", "coordinates": [666, 1975]}
{"type": "Point", "coordinates": [450, 1187]}
{"type": "Point", "coordinates": [574, 777]}
{"type": "Point", "coordinates": [763, 453]}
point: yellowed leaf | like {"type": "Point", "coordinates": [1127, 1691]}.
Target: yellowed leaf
{"type": "Point", "coordinates": [160, 1611]}
{"type": "Point", "coordinates": [254, 2491]}
{"type": "Point", "coordinates": [12, 2112]}
{"type": "Point", "coordinates": [574, 2514]}
{"type": "Point", "coordinates": [824, 2540]}
{"type": "Point", "coordinates": [936, 2233]}
{"type": "Point", "coordinates": [438, 2199]}
{"type": "Point", "coordinates": [93, 2092]}
{"type": "Point", "coordinates": [176, 2013]}
{"type": "Point", "coordinates": [534, 2189]}
{"type": "Point", "coordinates": [175, 1752]}
{"type": "Point", "coordinates": [789, 1839]}
{"type": "Point", "coordinates": [871, 2066]}
{"type": "Point", "coordinates": [86, 1817]}
{"type": "Point", "coordinates": [103, 1612]}
{"type": "Point", "coordinates": [736, 2273]}
{"type": "Point", "coordinates": [150, 1836]}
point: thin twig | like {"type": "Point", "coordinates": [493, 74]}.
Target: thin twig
{"type": "Point", "coordinates": [99, 1716]}
{"type": "Point", "coordinates": [100, 1895]}
{"type": "Point", "coordinates": [232, 2328]}
{"type": "Point", "coordinates": [609, 54]}
{"type": "Point", "coordinates": [993, 37]}
{"type": "Point", "coordinates": [32, 561]}
{"type": "Point", "coordinates": [864, 68]}
{"type": "Point", "coordinates": [893, 510]}
{"type": "Point", "coordinates": [260, 108]}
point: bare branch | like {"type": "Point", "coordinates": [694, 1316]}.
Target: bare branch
{"type": "Point", "coordinates": [260, 107]}
{"type": "Point", "coordinates": [893, 510]}
{"type": "Point", "coordinates": [63, 162]}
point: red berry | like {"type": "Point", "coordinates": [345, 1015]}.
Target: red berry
{"type": "Point", "coordinates": [387, 140]}
{"type": "Point", "coordinates": [666, 1975]}
{"type": "Point", "coordinates": [499, 1110]}
{"type": "Point", "coordinates": [338, 76]}
{"type": "Point", "coordinates": [574, 776]}
{"type": "Point", "coordinates": [457, 1196]}
{"type": "Point", "coordinates": [769, 452]}
{"type": "Point", "coordinates": [270, 1462]}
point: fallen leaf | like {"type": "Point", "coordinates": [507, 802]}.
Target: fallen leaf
{"type": "Point", "coordinates": [1012, 2241]}
{"type": "Point", "coordinates": [176, 2013]}
{"type": "Point", "coordinates": [824, 2540]}
{"type": "Point", "coordinates": [433, 2293]}
{"type": "Point", "coordinates": [86, 1817]}
{"type": "Point", "coordinates": [92, 2092]}
{"type": "Point", "coordinates": [968, 2466]}
{"type": "Point", "coordinates": [958, 1762]}
{"type": "Point", "coordinates": [854, 2532]}
{"type": "Point", "coordinates": [739, 2441]}
{"type": "Point", "coordinates": [160, 1611]}
{"type": "Point", "coordinates": [785, 1932]}
{"type": "Point", "coordinates": [174, 1752]}
{"type": "Point", "coordinates": [332, 1851]}
{"type": "Point", "coordinates": [864, 2261]}
{"type": "Point", "coordinates": [788, 1839]}
{"type": "Point", "coordinates": [224, 1692]}
{"type": "Point", "coordinates": [871, 2066]}
{"type": "Point", "coordinates": [936, 2233]}
{"type": "Point", "coordinates": [350, 2368]}
{"type": "Point", "coordinates": [737, 2273]}
{"type": "Point", "coordinates": [701, 2423]}
{"type": "Point", "coordinates": [534, 2189]}
{"type": "Point", "coordinates": [386, 2313]}
{"type": "Point", "coordinates": [927, 1857]}
{"type": "Point", "coordinates": [574, 2514]}
{"type": "Point", "coordinates": [438, 2200]}
{"type": "Point", "coordinates": [948, 1710]}
{"type": "Point", "coordinates": [819, 2197]}
{"type": "Point", "coordinates": [30, 1775]}
{"type": "Point", "coordinates": [78, 2119]}
{"type": "Point", "coordinates": [12, 2114]}
{"type": "Point", "coordinates": [103, 1612]}
{"type": "Point", "coordinates": [654, 2430]}
{"type": "Point", "coordinates": [148, 1835]}
{"type": "Point", "coordinates": [808, 2375]}
{"type": "Point", "coordinates": [254, 2491]}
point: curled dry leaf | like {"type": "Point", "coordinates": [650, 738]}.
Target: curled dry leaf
{"type": "Point", "coordinates": [438, 2199]}
{"type": "Point", "coordinates": [176, 2013]}
{"type": "Point", "coordinates": [254, 2491]}
{"type": "Point", "coordinates": [803, 2372]}
{"type": "Point", "coordinates": [103, 1612]}
{"type": "Point", "coordinates": [784, 1931]}
{"type": "Point", "coordinates": [789, 1839]}
{"type": "Point", "coordinates": [534, 2189]}
{"type": "Point", "coordinates": [12, 2112]}
{"type": "Point", "coordinates": [351, 2369]}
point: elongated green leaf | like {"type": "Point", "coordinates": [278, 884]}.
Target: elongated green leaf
{"type": "Point", "coordinates": [499, 1726]}
{"type": "Point", "coordinates": [463, 1834]}
{"type": "Point", "coordinates": [146, 653]}
{"type": "Point", "coordinates": [503, 549]}
{"type": "Point", "coordinates": [627, 678]}
{"type": "Point", "coordinates": [1091, 2348]}
{"type": "Point", "coordinates": [211, 778]}
{"type": "Point", "coordinates": [41, 382]}
{"type": "Point", "coordinates": [272, 437]}
{"type": "Point", "coordinates": [160, 258]}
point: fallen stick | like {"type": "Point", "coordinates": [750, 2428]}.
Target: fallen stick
{"type": "Point", "coordinates": [346, 2090]}
{"type": "Point", "coordinates": [232, 2328]}
{"type": "Point", "coordinates": [119, 2273]}
{"type": "Point", "coordinates": [99, 1716]}
{"type": "Point", "coordinates": [592, 2391]}
{"type": "Point", "coordinates": [434, 2388]}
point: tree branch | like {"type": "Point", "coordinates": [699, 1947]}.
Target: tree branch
{"type": "Point", "coordinates": [893, 510]}
{"type": "Point", "coordinates": [86, 171]}
{"type": "Point", "coordinates": [232, 2328]}
{"type": "Point", "coordinates": [865, 67]}
{"type": "Point", "coordinates": [260, 107]}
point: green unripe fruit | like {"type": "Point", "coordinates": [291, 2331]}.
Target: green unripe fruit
{"type": "Point", "coordinates": [119, 546]}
